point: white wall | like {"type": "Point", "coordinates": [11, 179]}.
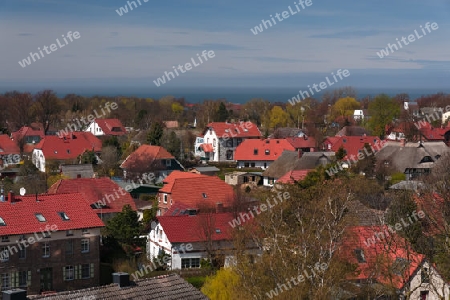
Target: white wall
{"type": "Point", "coordinates": [209, 137]}
{"type": "Point", "coordinates": [95, 129]}
{"type": "Point", "coordinates": [38, 159]}
{"type": "Point", "coordinates": [436, 288]}
{"type": "Point", "coordinates": [258, 164]}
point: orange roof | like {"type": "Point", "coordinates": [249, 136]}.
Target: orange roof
{"type": "Point", "coordinates": [207, 147]}
{"type": "Point", "coordinates": [8, 146]}
{"type": "Point", "coordinates": [70, 146]}
{"type": "Point", "coordinates": [145, 154]}
{"type": "Point", "coordinates": [241, 129]}
{"type": "Point", "coordinates": [352, 144]}
{"type": "Point", "coordinates": [94, 190]}
{"type": "Point", "coordinates": [195, 190]}
{"type": "Point", "coordinates": [394, 251]}
{"type": "Point", "coordinates": [302, 142]}
{"type": "Point", "coordinates": [293, 176]}
{"type": "Point", "coordinates": [111, 126]}
{"type": "Point", "coordinates": [256, 149]}
{"type": "Point", "coordinates": [27, 131]}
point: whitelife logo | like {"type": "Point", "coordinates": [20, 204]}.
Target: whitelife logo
{"type": "Point", "coordinates": [71, 36]}
{"type": "Point", "coordinates": [411, 38]}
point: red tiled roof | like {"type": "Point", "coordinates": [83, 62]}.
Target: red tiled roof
{"type": "Point", "coordinates": [188, 229]}
{"type": "Point", "coordinates": [207, 147]}
{"type": "Point", "coordinates": [20, 216]}
{"type": "Point", "coordinates": [68, 147]}
{"type": "Point", "coordinates": [107, 126]}
{"type": "Point", "coordinates": [191, 190]}
{"type": "Point", "coordinates": [301, 142]}
{"type": "Point", "coordinates": [94, 190]}
{"type": "Point", "coordinates": [145, 154]}
{"type": "Point", "coordinates": [170, 179]}
{"type": "Point", "coordinates": [293, 176]}
{"type": "Point", "coordinates": [27, 131]}
{"type": "Point", "coordinates": [352, 144]}
{"type": "Point", "coordinates": [8, 146]}
{"type": "Point", "coordinates": [398, 248]}
{"type": "Point", "coordinates": [171, 124]}
{"type": "Point", "coordinates": [242, 129]}
{"type": "Point", "coordinates": [434, 134]}
{"type": "Point", "coordinates": [246, 150]}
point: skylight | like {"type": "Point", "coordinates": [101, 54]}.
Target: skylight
{"type": "Point", "coordinates": [360, 255]}
{"type": "Point", "coordinates": [2, 223]}
{"type": "Point", "coordinates": [204, 195]}
{"type": "Point", "coordinates": [40, 217]}
{"type": "Point", "coordinates": [63, 216]}
{"type": "Point", "coordinates": [218, 230]}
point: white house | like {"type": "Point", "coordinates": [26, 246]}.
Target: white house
{"type": "Point", "coordinates": [184, 236]}
{"type": "Point", "coordinates": [220, 139]}
{"type": "Point", "coordinates": [358, 114]}
{"type": "Point", "coordinates": [108, 127]}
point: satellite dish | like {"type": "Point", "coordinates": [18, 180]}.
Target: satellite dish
{"type": "Point", "coordinates": [22, 191]}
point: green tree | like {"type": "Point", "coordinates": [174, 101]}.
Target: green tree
{"type": "Point", "coordinates": [278, 117]}
{"type": "Point", "coordinates": [172, 144]}
{"type": "Point", "coordinates": [125, 227]}
{"type": "Point", "coordinates": [341, 153]}
{"type": "Point", "coordinates": [382, 110]}
{"type": "Point", "coordinates": [222, 286]}
{"type": "Point", "coordinates": [222, 113]}
{"type": "Point", "coordinates": [155, 134]}
{"type": "Point", "coordinates": [344, 107]}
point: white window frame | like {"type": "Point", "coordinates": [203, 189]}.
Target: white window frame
{"type": "Point", "coordinates": [85, 249]}
{"type": "Point", "coordinates": [45, 246]}
{"type": "Point", "coordinates": [5, 281]}
{"type": "Point", "coordinates": [4, 254]}
{"type": "Point", "coordinates": [69, 270]}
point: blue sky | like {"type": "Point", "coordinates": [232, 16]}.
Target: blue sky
{"type": "Point", "coordinates": [132, 50]}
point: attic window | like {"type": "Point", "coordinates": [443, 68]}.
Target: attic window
{"type": "Point", "coordinates": [63, 216]}
{"type": "Point", "coordinates": [218, 230]}
{"type": "Point", "coordinates": [40, 217]}
{"type": "Point", "coordinates": [237, 131]}
{"type": "Point", "coordinates": [68, 151]}
{"type": "Point", "coordinates": [267, 151]}
{"type": "Point", "coordinates": [116, 129]}
{"type": "Point", "coordinates": [204, 195]}
{"type": "Point", "coordinates": [426, 159]}
{"type": "Point", "coordinates": [344, 140]}
{"type": "Point", "coordinates": [255, 151]}
{"type": "Point", "coordinates": [226, 130]}
{"type": "Point", "coordinates": [56, 152]}
{"type": "Point", "coordinates": [2, 223]}
{"type": "Point", "coordinates": [360, 255]}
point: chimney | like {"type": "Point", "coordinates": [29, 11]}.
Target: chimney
{"type": "Point", "coordinates": [300, 153]}
{"type": "Point", "coordinates": [219, 207]}
{"type": "Point", "coordinates": [11, 197]}
{"type": "Point", "coordinates": [122, 279]}
{"type": "Point", "coordinates": [15, 294]}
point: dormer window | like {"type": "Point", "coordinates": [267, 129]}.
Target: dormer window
{"type": "Point", "coordinates": [40, 217]}
{"type": "Point", "coordinates": [426, 159]}
{"type": "Point", "coordinates": [63, 216]}
{"type": "Point", "coordinates": [2, 223]}
{"type": "Point", "coordinates": [360, 255]}
{"type": "Point", "coordinates": [267, 151]}
{"type": "Point", "coordinates": [218, 230]}
{"type": "Point", "coordinates": [255, 151]}
{"type": "Point", "coordinates": [204, 195]}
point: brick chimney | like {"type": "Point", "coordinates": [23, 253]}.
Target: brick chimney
{"type": "Point", "coordinates": [11, 197]}
{"type": "Point", "coordinates": [219, 207]}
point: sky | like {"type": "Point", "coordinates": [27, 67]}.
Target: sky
{"type": "Point", "coordinates": [131, 51]}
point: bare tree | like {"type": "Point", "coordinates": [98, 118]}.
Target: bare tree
{"type": "Point", "coordinates": [47, 108]}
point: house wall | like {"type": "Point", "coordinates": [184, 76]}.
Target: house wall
{"type": "Point", "coordinates": [209, 138]}
{"type": "Point", "coordinates": [268, 181]}
{"type": "Point", "coordinates": [38, 159]}
{"type": "Point", "coordinates": [164, 206]}
{"type": "Point", "coordinates": [95, 129]}
{"type": "Point", "coordinates": [437, 288]}
{"type": "Point", "coordinates": [262, 164]}
{"type": "Point", "coordinates": [58, 259]}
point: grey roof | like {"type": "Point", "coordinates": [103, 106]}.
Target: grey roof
{"type": "Point", "coordinates": [85, 170]}
{"type": "Point", "coordinates": [284, 132]}
{"type": "Point", "coordinates": [289, 161]}
{"type": "Point", "coordinates": [166, 287]}
{"type": "Point", "coordinates": [365, 216]}
{"type": "Point", "coordinates": [409, 156]}
{"type": "Point", "coordinates": [207, 169]}
{"type": "Point", "coordinates": [412, 185]}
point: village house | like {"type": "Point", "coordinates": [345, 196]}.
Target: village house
{"type": "Point", "coordinates": [150, 159]}
{"type": "Point", "coordinates": [194, 191]}
{"type": "Point", "coordinates": [353, 145]}
{"type": "Point", "coordinates": [219, 140]}
{"type": "Point", "coordinates": [106, 127]}
{"type": "Point", "coordinates": [65, 150]}
{"type": "Point", "coordinates": [53, 243]}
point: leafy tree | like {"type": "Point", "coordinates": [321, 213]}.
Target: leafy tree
{"type": "Point", "coordinates": [177, 108]}
{"type": "Point", "coordinates": [278, 117]}
{"type": "Point", "coordinates": [222, 113]}
{"type": "Point", "coordinates": [222, 286]}
{"type": "Point", "coordinates": [382, 110]}
{"type": "Point", "coordinates": [367, 164]}
{"type": "Point", "coordinates": [114, 142]}
{"type": "Point", "coordinates": [155, 134]}
{"type": "Point", "coordinates": [125, 227]}
{"type": "Point", "coordinates": [341, 153]}
{"type": "Point", "coordinates": [344, 107]}
{"type": "Point", "coordinates": [89, 157]}
{"type": "Point", "coordinates": [172, 144]}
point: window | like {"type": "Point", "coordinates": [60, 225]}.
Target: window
{"type": "Point", "coordinates": [360, 255]}
{"type": "Point", "coordinates": [85, 231]}
{"type": "Point", "coordinates": [68, 273]}
{"type": "Point", "coordinates": [168, 162]}
{"type": "Point", "coordinates": [246, 165]}
{"type": "Point", "coordinates": [425, 275]}
{"type": "Point", "coordinates": [40, 218]}
{"type": "Point", "coordinates": [423, 295]}
{"type": "Point", "coordinates": [229, 154]}
{"type": "Point", "coordinates": [252, 165]}
{"type": "Point", "coordinates": [23, 276]}
{"type": "Point", "coordinates": [6, 282]}
{"type": "Point", "coordinates": [214, 143]}
{"type": "Point", "coordinates": [5, 238]}
{"type": "Point", "coordinates": [2, 223]}
{"type": "Point", "coordinates": [69, 232]}
{"type": "Point", "coordinates": [229, 143]}
{"type": "Point", "coordinates": [86, 271]}
{"type": "Point", "coordinates": [190, 263]}
{"type": "Point", "coordinates": [267, 151]}
{"type": "Point", "coordinates": [245, 179]}
{"type": "Point", "coordinates": [69, 247]}
{"type": "Point", "coordinates": [84, 246]}
{"type": "Point", "coordinates": [63, 216]}
{"type": "Point", "coordinates": [204, 195]}
{"type": "Point", "coordinates": [218, 230]}
{"type": "Point", "coordinates": [45, 249]}
{"type": "Point", "coordinates": [165, 198]}
{"type": "Point", "coordinates": [255, 151]}
{"type": "Point", "coordinates": [4, 254]}
{"type": "Point", "coordinates": [22, 252]}
{"type": "Point", "coordinates": [239, 141]}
